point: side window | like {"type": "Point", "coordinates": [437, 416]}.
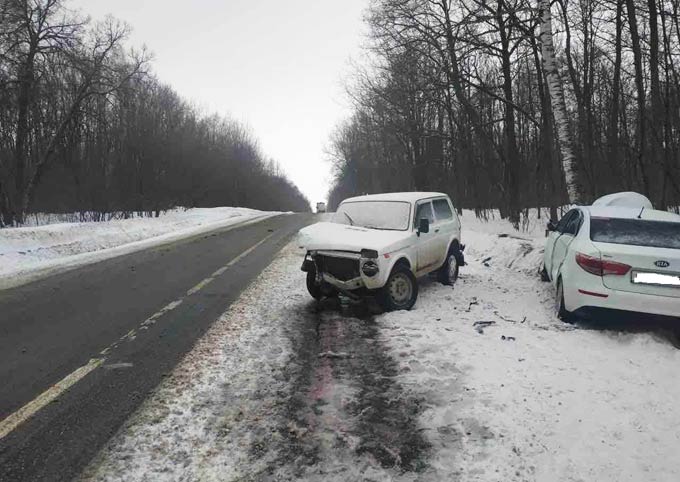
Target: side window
{"type": "Point", "coordinates": [423, 210]}
{"type": "Point", "coordinates": [442, 210]}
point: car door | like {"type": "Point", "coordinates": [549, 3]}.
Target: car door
{"type": "Point", "coordinates": [444, 227]}
{"type": "Point", "coordinates": [426, 244]}
{"type": "Point", "coordinates": [566, 233]}
{"type": "Point", "coordinates": [550, 244]}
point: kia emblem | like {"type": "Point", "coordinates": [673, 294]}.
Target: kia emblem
{"type": "Point", "coordinates": [662, 264]}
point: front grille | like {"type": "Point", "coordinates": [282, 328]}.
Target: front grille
{"type": "Point", "coordinates": [343, 269]}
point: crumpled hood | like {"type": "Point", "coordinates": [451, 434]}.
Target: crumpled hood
{"type": "Point", "coordinates": [342, 237]}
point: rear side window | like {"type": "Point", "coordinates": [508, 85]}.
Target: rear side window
{"type": "Point", "coordinates": [442, 210]}
{"type": "Point", "coordinates": [636, 232]}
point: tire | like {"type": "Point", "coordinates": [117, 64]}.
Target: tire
{"type": "Point", "coordinates": [448, 273]}
{"type": "Point", "coordinates": [562, 312]}
{"type": "Point", "coordinates": [400, 291]}
{"type": "Point", "coordinates": [544, 274]}
{"type": "Point", "coordinates": [318, 291]}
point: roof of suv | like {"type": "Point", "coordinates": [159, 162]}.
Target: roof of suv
{"type": "Point", "coordinates": [396, 196]}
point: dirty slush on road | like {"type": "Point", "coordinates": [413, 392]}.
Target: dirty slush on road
{"type": "Point", "coordinates": [343, 397]}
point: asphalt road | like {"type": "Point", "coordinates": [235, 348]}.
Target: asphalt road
{"type": "Point", "coordinates": [90, 320]}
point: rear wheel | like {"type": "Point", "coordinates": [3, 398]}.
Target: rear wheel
{"type": "Point", "coordinates": [562, 312]}
{"type": "Point", "coordinates": [401, 290]}
{"type": "Point", "coordinates": [448, 273]}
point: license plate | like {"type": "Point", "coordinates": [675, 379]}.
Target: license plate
{"type": "Point", "coordinates": [657, 279]}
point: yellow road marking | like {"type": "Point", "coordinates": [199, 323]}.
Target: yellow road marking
{"type": "Point", "coordinates": [46, 397]}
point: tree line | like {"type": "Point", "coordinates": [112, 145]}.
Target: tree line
{"type": "Point", "coordinates": [513, 104]}
{"type": "Point", "coordinates": [85, 128]}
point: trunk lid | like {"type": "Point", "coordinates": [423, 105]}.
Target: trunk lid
{"type": "Point", "coordinates": [646, 261]}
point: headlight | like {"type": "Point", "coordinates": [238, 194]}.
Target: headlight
{"type": "Point", "coordinates": [370, 268]}
{"type": "Point", "coordinates": [369, 253]}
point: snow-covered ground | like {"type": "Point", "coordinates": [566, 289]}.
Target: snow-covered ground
{"type": "Point", "coordinates": [479, 382]}
{"type": "Point", "coordinates": [33, 251]}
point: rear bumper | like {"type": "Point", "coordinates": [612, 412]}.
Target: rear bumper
{"type": "Point", "coordinates": [593, 313]}
{"type": "Point", "coordinates": [624, 301]}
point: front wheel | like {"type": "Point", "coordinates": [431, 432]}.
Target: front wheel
{"type": "Point", "coordinates": [401, 290]}
{"type": "Point", "coordinates": [317, 290]}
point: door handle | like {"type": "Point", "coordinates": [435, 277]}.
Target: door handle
{"type": "Point", "coordinates": [436, 230]}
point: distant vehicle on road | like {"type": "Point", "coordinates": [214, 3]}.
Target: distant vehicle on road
{"type": "Point", "coordinates": [379, 244]}
{"type": "Point", "coordinates": [320, 207]}
{"type": "Point", "coordinates": [614, 256]}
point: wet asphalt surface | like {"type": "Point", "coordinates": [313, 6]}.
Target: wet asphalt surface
{"type": "Point", "coordinates": [51, 327]}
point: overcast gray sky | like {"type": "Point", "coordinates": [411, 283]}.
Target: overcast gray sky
{"type": "Point", "coordinates": [277, 65]}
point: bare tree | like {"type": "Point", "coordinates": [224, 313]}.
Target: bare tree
{"type": "Point", "coordinates": [559, 107]}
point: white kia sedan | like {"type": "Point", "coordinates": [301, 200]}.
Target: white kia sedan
{"type": "Point", "coordinates": [614, 258]}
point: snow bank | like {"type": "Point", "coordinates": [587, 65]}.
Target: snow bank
{"type": "Point", "coordinates": [28, 253]}
{"type": "Point", "coordinates": [495, 242]}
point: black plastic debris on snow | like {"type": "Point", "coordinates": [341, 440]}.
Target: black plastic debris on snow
{"type": "Point", "coordinates": [480, 325]}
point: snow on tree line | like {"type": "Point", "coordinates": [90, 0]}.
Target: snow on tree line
{"type": "Point", "coordinates": [510, 104]}
{"type": "Point", "coordinates": [85, 128]}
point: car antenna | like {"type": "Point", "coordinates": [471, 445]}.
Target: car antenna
{"type": "Point", "coordinates": [640, 215]}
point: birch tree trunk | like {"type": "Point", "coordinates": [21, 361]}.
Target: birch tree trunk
{"type": "Point", "coordinates": [559, 106]}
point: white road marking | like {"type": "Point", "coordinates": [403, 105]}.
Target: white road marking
{"type": "Point", "coordinates": [152, 319]}
{"type": "Point", "coordinates": [116, 366]}
{"type": "Point", "coordinates": [49, 395]}
{"type": "Point", "coordinates": [46, 397]}
{"type": "Point", "coordinates": [200, 286]}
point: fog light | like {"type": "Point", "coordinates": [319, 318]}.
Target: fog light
{"type": "Point", "coordinates": [370, 268]}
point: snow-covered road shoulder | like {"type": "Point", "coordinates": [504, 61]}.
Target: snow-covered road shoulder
{"type": "Point", "coordinates": [31, 253]}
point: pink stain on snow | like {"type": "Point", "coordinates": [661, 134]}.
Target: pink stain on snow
{"type": "Point", "coordinates": [323, 375]}
{"type": "Point", "coordinates": [323, 386]}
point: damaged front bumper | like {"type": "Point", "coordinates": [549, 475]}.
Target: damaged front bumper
{"type": "Point", "coordinates": [323, 276]}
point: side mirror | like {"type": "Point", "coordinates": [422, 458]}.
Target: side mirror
{"type": "Point", "coordinates": [550, 228]}
{"type": "Point", "coordinates": [423, 225]}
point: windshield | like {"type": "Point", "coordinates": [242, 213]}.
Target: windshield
{"type": "Point", "coordinates": [636, 232]}
{"type": "Point", "coordinates": [391, 215]}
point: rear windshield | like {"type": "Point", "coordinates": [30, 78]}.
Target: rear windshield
{"type": "Point", "coordinates": [636, 232]}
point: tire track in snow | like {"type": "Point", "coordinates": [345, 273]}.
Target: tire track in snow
{"type": "Point", "coordinates": [344, 401]}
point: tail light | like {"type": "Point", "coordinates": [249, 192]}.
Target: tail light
{"type": "Point", "coordinates": [600, 267]}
